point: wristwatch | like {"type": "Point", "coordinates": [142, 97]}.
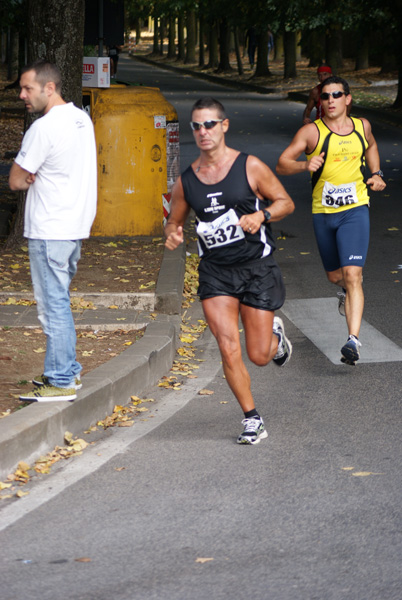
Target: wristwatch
{"type": "Point", "coordinates": [379, 173]}
{"type": "Point", "coordinates": [267, 215]}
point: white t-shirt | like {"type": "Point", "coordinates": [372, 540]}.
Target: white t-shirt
{"type": "Point", "coordinates": [59, 148]}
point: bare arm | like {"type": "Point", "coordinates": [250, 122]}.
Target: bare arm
{"type": "Point", "coordinates": [20, 179]}
{"type": "Point", "coordinates": [305, 139]}
{"type": "Point", "coordinates": [375, 182]}
{"type": "Point", "coordinates": [265, 184]}
{"type": "Point", "coordinates": [179, 211]}
{"type": "Point", "coordinates": [309, 107]}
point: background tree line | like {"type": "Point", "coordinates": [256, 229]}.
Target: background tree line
{"type": "Point", "coordinates": [323, 31]}
{"type": "Point", "coordinates": [327, 32]}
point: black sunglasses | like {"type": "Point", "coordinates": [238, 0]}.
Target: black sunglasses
{"type": "Point", "coordinates": [195, 126]}
{"type": "Point", "coordinates": [336, 95]}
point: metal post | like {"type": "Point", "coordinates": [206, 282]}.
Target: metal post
{"type": "Point", "coordinates": [100, 27]}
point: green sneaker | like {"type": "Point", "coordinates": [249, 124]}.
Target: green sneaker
{"type": "Point", "coordinates": [42, 380]}
{"type": "Point", "coordinates": [49, 393]}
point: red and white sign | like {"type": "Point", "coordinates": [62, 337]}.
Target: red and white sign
{"type": "Point", "coordinates": [96, 72]}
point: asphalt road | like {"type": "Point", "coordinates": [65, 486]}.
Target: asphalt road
{"type": "Point", "coordinates": [173, 508]}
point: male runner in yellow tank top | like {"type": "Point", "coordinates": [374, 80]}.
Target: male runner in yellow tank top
{"type": "Point", "coordinates": [337, 148]}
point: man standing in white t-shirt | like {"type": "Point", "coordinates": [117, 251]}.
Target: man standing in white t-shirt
{"type": "Point", "coordinates": [57, 166]}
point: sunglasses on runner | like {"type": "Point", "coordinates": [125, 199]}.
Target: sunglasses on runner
{"type": "Point", "coordinates": [195, 126]}
{"type": "Point", "coordinates": [336, 95]}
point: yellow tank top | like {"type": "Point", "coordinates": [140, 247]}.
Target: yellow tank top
{"type": "Point", "coordinates": [339, 184]}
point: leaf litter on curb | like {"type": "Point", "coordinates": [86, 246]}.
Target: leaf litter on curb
{"type": "Point", "coordinates": [122, 416]}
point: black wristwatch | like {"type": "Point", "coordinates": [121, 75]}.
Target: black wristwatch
{"type": "Point", "coordinates": [267, 215]}
{"type": "Point", "coordinates": [379, 173]}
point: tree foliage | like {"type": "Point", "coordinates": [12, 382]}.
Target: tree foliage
{"type": "Point", "coordinates": [366, 30]}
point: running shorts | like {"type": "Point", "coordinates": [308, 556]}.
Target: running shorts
{"type": "Point", "coordinates": [257, 283]}
{"type": "Point", "coordinates": [343, 238]}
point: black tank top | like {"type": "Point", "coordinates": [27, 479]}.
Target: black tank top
{"type": "Point", "coordinates": [223, 243]}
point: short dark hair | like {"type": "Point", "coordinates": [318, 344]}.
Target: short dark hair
{"type": "Point", "coordinates": [208, 102]}
{"type": "Point", "coordinates": [44, 72]}
{"type": "Point", "coordinates": [336, 79]}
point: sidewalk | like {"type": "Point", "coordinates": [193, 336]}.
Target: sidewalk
{"type": "Point", "coordinates": [35, 430]}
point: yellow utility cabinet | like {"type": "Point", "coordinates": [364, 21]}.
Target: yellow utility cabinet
{"type": "Point", "coordinates": [137, 137]}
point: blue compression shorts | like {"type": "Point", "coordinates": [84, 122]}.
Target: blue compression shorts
{"type": "Point", "coordinates": [343, 238]}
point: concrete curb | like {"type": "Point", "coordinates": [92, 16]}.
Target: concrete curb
{"type": "Point", "coordinates": [36, 429]}
{"type": "Point", "coordinates": [169, 287]}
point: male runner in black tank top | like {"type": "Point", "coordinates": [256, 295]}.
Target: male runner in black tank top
{"type": "Point", "coordinates": [230, 193]}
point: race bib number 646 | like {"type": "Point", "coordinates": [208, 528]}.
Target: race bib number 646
{"type": "Point", "coordinates": [222, 231]}
{"type": "Point", "coordinates": [335, 196]}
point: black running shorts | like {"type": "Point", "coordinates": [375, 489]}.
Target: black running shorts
{"type": "Point", "coordinates": [257, 283]}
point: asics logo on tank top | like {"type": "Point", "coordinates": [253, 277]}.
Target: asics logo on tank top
{"type": "Point", "coordinates": [214, 201]}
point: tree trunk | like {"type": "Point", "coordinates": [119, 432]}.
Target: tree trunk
{"type": "Point", "coordinates": [298, 46]}
{"type": "Point", "coordinates": [15, 236]}
{"type": "Point", "coordinates": [191, 37]}
{"type": "Point", "coordinates": [181, 54]}
{"type": "Point", "coordinates": [224, 40]}
{"type": "Point", "coordinates": [398, 52]}
{"type": "Point", "coordinates": [398, 99]}
{"type": "Point", "coordinates": [213, 60]}
{"type": "Point", "coordinates": [201, 54]}
{"type": "Point", "coordinates": [13, 52]}
{"type": "Point", "coordinates": [172, 38]}
{"type": "Point", "coordinates": [56, 33]}
{"type": "Point", "coordinates": [262, 69]}
{"type": "Point", "coordinates": [137, 30]}
{"type": "Point", "coordinates": [279, 49]}
{"type": "Point", "coordinates": [237, 50]}
{"type": "Point", "coordinates": [313, 47]}
{"type": "Point", "coordinates": [334, 47]}
{"type": "Point", "coordinates": [290, 71]}
{"type": "Point", "coordinates": [155, 48]}
{"type": "Point", "coordinates": [162, 35]}
{"type": "Point", "coordinates": [362, 52]}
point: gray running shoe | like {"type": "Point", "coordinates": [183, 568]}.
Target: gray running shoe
{"type": "Point", "coordinates": [49, 393]}
{"type": "Point", "coordinates": [350, 351]}
{"type": "Point", "coordinates": [254, 431]}
{"type": "Point", "coordinates": [42, 380]}
{"type": "Point", "coordinates": [341, 303]}
{"type": "Point", "coordinates": [285, 349]}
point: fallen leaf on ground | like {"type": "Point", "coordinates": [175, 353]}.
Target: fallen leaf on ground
{"type": "Point", "coordinates": [203, 560]}
{"type": "Point", "coordinates": [20, 494]}
{"type": "Point", "coordinates": [84, 559]}
{"type": "Point", "coordinates": [364, 473]}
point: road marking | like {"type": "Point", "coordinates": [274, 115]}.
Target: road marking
{"type": "Point", "coordinates": [102, 451]}
{"type": "Point", "coordinates": [320, 321]}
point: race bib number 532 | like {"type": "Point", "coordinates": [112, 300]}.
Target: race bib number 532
{"type": "Point", "coordinates": [222, 231]}
{"type": "Point", "coordinates": [335, 196]}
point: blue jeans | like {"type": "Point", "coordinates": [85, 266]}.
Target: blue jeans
{"type": "Point", "coordinates": [53, 265]}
